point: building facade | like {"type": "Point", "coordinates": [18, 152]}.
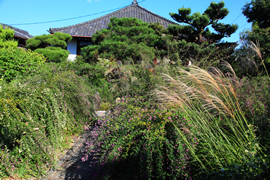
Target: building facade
{"type": "Point", "coordinates": [82, 33]}
{"type": "Point", "coordinates": [19, 35]}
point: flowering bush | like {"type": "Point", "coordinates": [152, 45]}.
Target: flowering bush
{"type": "Point", "coordinates": [253, 95]}
{"type": "Point", "coordinates": [141, 142]}
{"type": "Point", "coordinates": [35, 115]}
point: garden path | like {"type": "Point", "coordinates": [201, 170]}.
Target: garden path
{"type": "Point", "coordinates": [70, 165]}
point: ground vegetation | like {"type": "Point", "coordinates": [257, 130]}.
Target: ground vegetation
{"type": "Point", "coordinates": [165, 119]}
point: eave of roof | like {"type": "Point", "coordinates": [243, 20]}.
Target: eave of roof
{"type": "Point", "coordinates": [88, 28]}
{"type": "Point", "coordinates": [19, 33]}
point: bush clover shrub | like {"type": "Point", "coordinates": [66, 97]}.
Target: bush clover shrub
{"type": "Point", "coordinates": [17, 62]}
{"type": "Point", "coordinates": [253, 94]}
{"type": "Point", "coordinates": [36, 114]}
{"type": "Point", "coordinates": [140, 142]}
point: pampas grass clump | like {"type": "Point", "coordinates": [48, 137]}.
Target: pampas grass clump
{"type": "Point", "coordinates": [209, 100]}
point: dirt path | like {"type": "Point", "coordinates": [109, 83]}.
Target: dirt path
{"type": "Point", "coordinates": [70, 165]}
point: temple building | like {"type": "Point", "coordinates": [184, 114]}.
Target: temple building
{"type": "Point", "coordinates": [83, 32]}
{"type": "Point", "coordinates": [19, 35]}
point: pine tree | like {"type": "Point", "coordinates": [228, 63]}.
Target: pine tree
{"type": "Point", "coordinates": [258, 10]}
{"type": "Point", "coordinates": [197, 28]}
{"type": "Point", "coordinates": [51, 46]}
{"type": "Point", "coordinates": [262, 36]}
{"type": "Point", "coordinates": [125, 38]}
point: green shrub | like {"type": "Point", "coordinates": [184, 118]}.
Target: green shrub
{"type": "Point", "coordinates": [57, 40]}
{"type": "Point", "coordinates": [139, 141]}
{"type": "Point", "coordinates": [6, 38]}
{"type": "Point", "coordinates": [54, 54]}
{"type": "Point", "coordinates": [36, 115]}
{"type": "Point", "coordinates": [51, 46]}
{"type": "Point", "coordinates": [250, 169]}
{"type": "Point", "coordinates": [94, 74]}
{"type": "Point", "coordinates": [105, 106]}
{"type": "Point", "coordinates": [253, 94]}
{"type": "Point", "coordinates": [16, 62]}
{"type": "Point", "coordinates": [131, 80]}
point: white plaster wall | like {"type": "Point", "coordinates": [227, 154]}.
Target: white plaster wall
{"type": "Point", "coordinates": [72, 57]}
{"type": "Point", "coordinates": [72, 48]}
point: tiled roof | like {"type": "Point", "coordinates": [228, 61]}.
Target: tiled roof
{"type": "Point", "coordinates": [18, 32]}
{"type": "Point", "coordinates": [88, 28]}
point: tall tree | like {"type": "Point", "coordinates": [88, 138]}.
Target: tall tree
{"type": "Point", "coordinates": [125, 38]}
{"type": "Point", "coordinates": [258, 10]}
{"type": "Point", "coordinates": [261, 35]}
{"type": "Point", "coordinates": [197, 28]}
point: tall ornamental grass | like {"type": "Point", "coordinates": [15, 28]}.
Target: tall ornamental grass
{"type": "Point", "coordinates": [209, 100]}
{"type": "Point", "coordinates": [36, 116]}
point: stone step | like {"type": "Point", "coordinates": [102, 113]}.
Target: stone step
{"type": "Point", "coordinates": [100, 113]}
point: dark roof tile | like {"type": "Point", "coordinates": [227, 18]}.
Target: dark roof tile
{"type": "Point", "coordinates": [88, 28]}
{"type": "Point", "coordinates": [18, 32]}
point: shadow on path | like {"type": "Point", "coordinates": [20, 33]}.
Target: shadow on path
{"type": "Point", "coordinates": [71, 166]}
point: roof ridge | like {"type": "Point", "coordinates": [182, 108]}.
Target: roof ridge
{"type": "Point", "coordinates": [96, 19]}
{"type": "Point", "coordinates": [17, 30]}
{"type": "Point", "coordinates": [80, 24]}
{"type": "Point", "coordinates": [156, 14]}
{"type": "Point", "coordinates": [135, 2]}
{"type": "Point", "coordinates": [27, 35]}
{"type": "Point", "coordinates": [14, 28]}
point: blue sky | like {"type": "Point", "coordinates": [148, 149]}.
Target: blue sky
{"type": "Point", "coordinates": [15, 12]}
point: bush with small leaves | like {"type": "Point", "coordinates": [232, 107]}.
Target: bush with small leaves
{"type": "Point", "coordinates": [17, 62]}
{"type": "Point", "coordinates": [140, 141]}
{"type": "Point", "coordinates": [6, 38]}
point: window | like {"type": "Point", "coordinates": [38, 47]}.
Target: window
{"type": "Point", "coordinates": [82, 42]}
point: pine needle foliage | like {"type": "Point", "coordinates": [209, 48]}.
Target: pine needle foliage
{"type": "Point", "coordinates": [197, 24]}
{"type": "Point", "coordinates": [53, 47]}
{"type": "Point", "coordinates": [124, 38]}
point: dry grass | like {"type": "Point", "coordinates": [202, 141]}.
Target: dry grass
{"type": "Point", "coordinates": [256, 48]}
{"type": "Point", "coordinates": [205, 96]}
{"type": "Point", "coordinates": [197, 84]}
